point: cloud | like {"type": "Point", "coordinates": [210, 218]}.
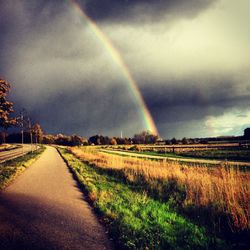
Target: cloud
{"type": "Point", "coordinates": [185, 100]}
{"type": "Point", "coordinates": [229, 122]}
{"type": "Point", "coordinates": [180, 105]}
{"type": "Point", "coordinates": [187, 70]}
{"type": "Point", "coordinates": [62, 75]}
{"type": "Point", "coordinates": [142, 10]}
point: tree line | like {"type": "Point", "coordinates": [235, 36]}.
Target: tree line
{"type": "Point", "coordinates": [39, 137]}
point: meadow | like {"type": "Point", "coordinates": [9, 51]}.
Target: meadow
{"type": "Point", "coordinates": [229, 151]}
{"type": "Point", "coordinates": [215, 201]}
{"type": "Point", "coordinates": [226, 154]}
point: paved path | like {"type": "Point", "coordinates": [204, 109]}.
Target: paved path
{"type": "Point", "coordinates": [190, 160]}
{"type": "Point", "coordinates": [44, 209]}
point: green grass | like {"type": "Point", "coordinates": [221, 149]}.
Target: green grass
{"type": "Point", "coordinates": [136, 220]}
{"type": "Point", "coordinates": [215, 154]}
{"type": "Point", "coordinates": [240, 155]}
{"type": "Point", "coordinates": [226, 154]}
{"type": "Point", "coordinates": [149, 153]}
{"type": "Point", "coordinates": [9, 170]}
{"type": "Point", "coordinates": [173, 155]}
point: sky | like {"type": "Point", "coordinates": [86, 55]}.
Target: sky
{"type": "Point", "coordinates": [190, 60]}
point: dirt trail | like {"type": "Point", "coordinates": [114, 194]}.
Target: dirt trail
{"type": "Point", "coordinates": [44, 209]}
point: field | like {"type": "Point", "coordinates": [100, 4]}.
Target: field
{"type": "Point", "coordinates": [154, 204]}
{"type": "Point", "coordinates": [226, 154]}
{"type": "Point", "coordinates": [234, 154]}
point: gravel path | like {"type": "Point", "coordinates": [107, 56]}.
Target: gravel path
{"type": "Point", "coordinates": [44, 209]}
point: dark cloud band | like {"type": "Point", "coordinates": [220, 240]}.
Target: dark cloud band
{"type": "Point", "coordinates": [142, 10]}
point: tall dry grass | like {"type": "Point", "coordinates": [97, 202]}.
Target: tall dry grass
{"type": "Point", "coordinates": [225, 187]}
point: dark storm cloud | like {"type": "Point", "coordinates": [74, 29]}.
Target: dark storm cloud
{"type": "Point", "coordinates": [60, 73]}
{"type": "Point", "coordinates": [67, 80]}
{"type": "Point", "coordinates": [183, 109]}
{"type": "Point", "coordinates": [22, 22]}
{"type": "Point", "coordinates": [142, 10]}
{"type": "Point", "coordinates": [87, 111]}
{"type": "Point", "coordinates": [184, 100]}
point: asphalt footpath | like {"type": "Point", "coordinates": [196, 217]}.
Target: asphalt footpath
{"type": "Point", "coordinates": [44, 209]}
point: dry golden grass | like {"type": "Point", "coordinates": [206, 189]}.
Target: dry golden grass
{"type": "Point", "coordinates": [223, 186]}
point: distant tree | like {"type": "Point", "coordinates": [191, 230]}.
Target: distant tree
{"type": "Point", "coordinates": [247, 133]}
{"type": "Point", "coordinates": [113, 141]}
{"type": "Point", "coordinates": [174, 141]}
{"type": "Point", "coordinates": [168, 142]}
{"type": "Point", "coordinates": [37, 133]}
{"type": "Point", "coordinates": [123, 141]}
{"type": "Point", "coordinates": [95, 139]}
{"type": "Point", "coordinates": [48, 139]}
{"type": "Point", "coordinates": [120, 141]}
{"type": "Point", "coordinates": [184, 140]}
{"type": "Point", "coordinates": [105, 140]}
{"type": "Point", "coordinates": [140, 138]}
{"type": "Point", "coordinates": [3, 137]}
{"type": "Point", "coordinates": [145, 137]}
{"type": "Point", "coordinates": [151, 138]}
{"type": "Point", "coordinates": [99, 140]}
{"type": "Point", "coordinates": [17, 137]}
{"type": "Point", "coordinates": [128, 141]}
{"type": "Point", "coordinates": [76, 140]}
{"type": "Point", "coordinates": [14, 138]}
{"type": "Point", "coordinates": [191, 141]}
{"type": "Point", "coordinates": [85, 142]}
{"type": "Point", "coordinates": [63, 140]}
{"type": "Point", "coordinates": [6, 107]}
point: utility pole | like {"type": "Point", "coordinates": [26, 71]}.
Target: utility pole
{"type": "Point", "coordinates": [31, 138]}
{"type": "Point", "coordinates": [21, 118]}
{"type": "Point", "coordinates": [36, 138]}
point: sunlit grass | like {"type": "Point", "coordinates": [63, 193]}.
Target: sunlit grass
{"type": "Point", "coordinates": [136, 220]}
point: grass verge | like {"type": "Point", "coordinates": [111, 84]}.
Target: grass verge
{"type": "Point", "coordinates": [135, 220]}
{"type": "Point", "coordinates": [9, 170]}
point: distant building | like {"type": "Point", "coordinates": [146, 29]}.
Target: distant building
{"type": "Point", "coordinates": [247, 133]}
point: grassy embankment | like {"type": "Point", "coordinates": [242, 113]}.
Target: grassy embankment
{"type": "Point", "coordinates": [150, 153]}
{"type": "Point", "coordinates": [9, 170]}
{"type": "Point", "coordinates": [226, 154]}
{"type": "Point", "coordinates": [212, 154]}
{"type": "Point", "coordinates": [216, 198]}
{"type": "Point", "coordinates": [139, 216]}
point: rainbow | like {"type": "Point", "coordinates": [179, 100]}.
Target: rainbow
{"type": "Point", "coordinates": [147, 117]}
